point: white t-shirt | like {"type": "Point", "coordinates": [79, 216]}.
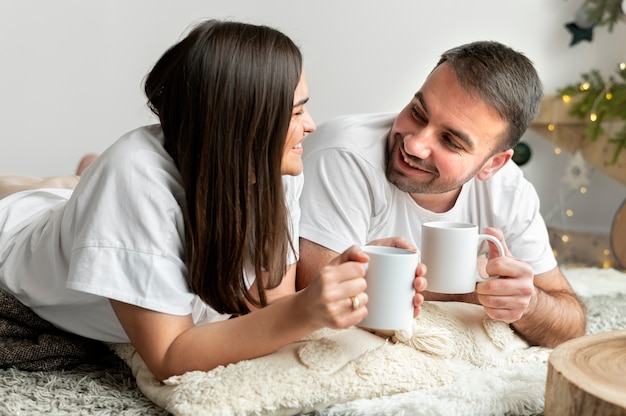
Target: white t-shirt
{"type": "Point", "coordinates": [347, 199]}
{"type": "Point", "coordinates": [118, 235]}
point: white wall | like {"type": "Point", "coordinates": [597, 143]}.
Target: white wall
{"type": "Point", "coordinates": [71, 70]}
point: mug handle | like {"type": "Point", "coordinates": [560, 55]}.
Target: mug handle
{"type": "Point", "coordinates": [494, 240]}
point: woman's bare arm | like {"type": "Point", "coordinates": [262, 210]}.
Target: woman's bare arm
{"type": "Point", "coordinates": [171, 345]}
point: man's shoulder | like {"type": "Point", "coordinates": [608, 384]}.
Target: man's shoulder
{"type": "Point", "coordinates": [349, 131]}
{"type": "Point", "coordinates": [510, 174]}
{"type": "Point", "coordinates": [508, 182]}
{"type": "Point", "coordinates": [361, 120]}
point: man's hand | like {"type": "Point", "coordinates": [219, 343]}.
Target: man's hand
{"type": "Point", "coordinates": [508, 297]}
{"type": "Point", "coordinates": [419, 283]}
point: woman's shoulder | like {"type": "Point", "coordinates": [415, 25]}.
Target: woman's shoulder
{"type": "Point", "coordinates": [148, 137]}
{"type": "Point", "coordinates": [139, 150]}
{"type": "Point", "coordinates": [135, 164]}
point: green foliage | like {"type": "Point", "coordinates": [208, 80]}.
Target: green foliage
{"type": "Point", "coordinates": [593, 99]}
{"type": "Point", "coordinates": [606, 99]}
{"type": "Point", "coordinates": [604, 12]}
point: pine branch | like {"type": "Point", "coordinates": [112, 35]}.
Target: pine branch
{"type": "Point", "coordinates": [604, 12]}
{"type": "Point", "coordinates": [596, 100]}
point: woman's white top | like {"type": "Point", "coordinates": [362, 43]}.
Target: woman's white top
{"type": "Point", "coordinates": [119, 235]}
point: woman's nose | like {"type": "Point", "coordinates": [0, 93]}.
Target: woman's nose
{"type": "Point", "coordinates": [309, 124]}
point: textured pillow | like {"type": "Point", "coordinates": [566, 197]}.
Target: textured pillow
{"type": "Point", "coordinates": [450, 343]}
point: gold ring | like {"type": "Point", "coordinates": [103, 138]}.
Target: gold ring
{"type": "Point", "coordinates": [356, 302]}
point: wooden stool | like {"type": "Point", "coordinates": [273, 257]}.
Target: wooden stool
{"type": "Point", "coordinates": [587, 376]}
{"type": "Point", "coordinates": [618, 235]}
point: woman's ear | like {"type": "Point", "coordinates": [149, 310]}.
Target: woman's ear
{"type": "Point", "coordinates": [494, 164]}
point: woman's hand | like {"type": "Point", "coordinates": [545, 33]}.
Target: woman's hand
{"type": "Point", "coordinates": [330, 294]}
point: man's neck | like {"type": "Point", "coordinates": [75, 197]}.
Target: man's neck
{"type": "Point", "coordinates": [437, 202]}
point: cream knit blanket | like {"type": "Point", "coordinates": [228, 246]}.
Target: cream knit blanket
{"type": "Point", "coordinates": [455, 355]}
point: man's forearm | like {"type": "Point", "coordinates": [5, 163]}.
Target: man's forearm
{"type": "Point", "coordinates": [552, 318]}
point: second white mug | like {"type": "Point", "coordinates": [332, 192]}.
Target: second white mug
{"type": "Point", "coordinates": [450, 253]}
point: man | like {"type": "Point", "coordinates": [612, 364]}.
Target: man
{"type": "Point", "coordinates": [445, 157]}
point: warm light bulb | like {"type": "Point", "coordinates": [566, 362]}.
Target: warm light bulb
{"type": "Point", "coordinates": [608, 96]}
{"type": "Point", "coordinates": [585, 86]}
{"type": "Point", "coordinates": [593, 117]}
{"type": "Point", "coordinates": [606, 252]}
{"type": "Point", "coordinates": [622, 66]}
{"type": "Point", "coordinates": [606, 264]}
{"type": "Point", "coordinates": [583, 189]}
{"type": "Point", "coordinates": [565, 238]}
{"type": "Point", "coordinates": [569, 213]}
{"type": "Point", "coordinates": [557, 150]}
{"type": "Point", "coordinates": [550, 127]}
{"type": "Point", "coordinates": [566, 98]}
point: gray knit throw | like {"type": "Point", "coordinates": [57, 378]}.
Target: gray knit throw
{"type": "Point", "coordinates": [28, 342]}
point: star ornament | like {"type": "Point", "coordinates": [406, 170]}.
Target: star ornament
{"type": "Point", "coordinates": [576, 174]}
{"type": "Point", "coordinates": [578, 33]}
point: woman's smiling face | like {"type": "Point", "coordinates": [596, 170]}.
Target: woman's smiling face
{"type": "Point", "coordinates": [300, 125]}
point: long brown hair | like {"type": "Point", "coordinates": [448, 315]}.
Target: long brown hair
{"type": "Point", "coordinates": [224, 96]}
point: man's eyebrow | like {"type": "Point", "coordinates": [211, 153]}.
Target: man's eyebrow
{"type": "Point", "coordinates": [420, 98]}
{"type": "Point", "coordinates": [301, 102]}
{"type": "Point", "coordinates": [462, 136]}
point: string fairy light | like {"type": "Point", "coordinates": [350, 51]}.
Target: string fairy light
{"type": "Point", "coordinates": [593, 114]}
{"type": "Point", "coordinates": [575, 175]}
{"type": "Point", "coordinates": [598, 102]}
{"type": "Point", "coordinates": [596, 98]}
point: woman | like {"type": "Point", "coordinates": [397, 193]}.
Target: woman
{"type": "Point", "coordinates": [179, 226]}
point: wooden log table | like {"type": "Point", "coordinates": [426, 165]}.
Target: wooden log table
{"type": "Point", "coordinates": [618, 236]}
{"type": "Point", "coordinates": [587, 376]}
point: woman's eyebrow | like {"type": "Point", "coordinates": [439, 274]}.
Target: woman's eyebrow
{"type": "Point", "coordinates": [301, 102]}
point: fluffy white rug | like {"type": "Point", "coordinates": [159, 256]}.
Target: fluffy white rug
{"type": "Point", "coordinates": [456, 356]}
{"type": "Point", "coordinates": [588, 281]}
{"type": "Point", "coordinates": [455, 360]}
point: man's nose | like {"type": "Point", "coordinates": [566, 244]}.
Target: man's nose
{"type": "Point", "coordinates": [419, 144]}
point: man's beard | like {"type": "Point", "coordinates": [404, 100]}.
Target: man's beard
{"type": "Point", "coordinates": [411, 185]}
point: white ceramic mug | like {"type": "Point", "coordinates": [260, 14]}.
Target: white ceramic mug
{"type": "Point", "coordinates": [390, 274]}
{"type": "Point", "coordinates": [450, 252]}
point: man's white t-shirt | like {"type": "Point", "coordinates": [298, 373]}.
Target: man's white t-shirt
{"type": "Point", "coordinates": [348, 200]}
{"type": "Point", "coordinates": [118, 235]}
